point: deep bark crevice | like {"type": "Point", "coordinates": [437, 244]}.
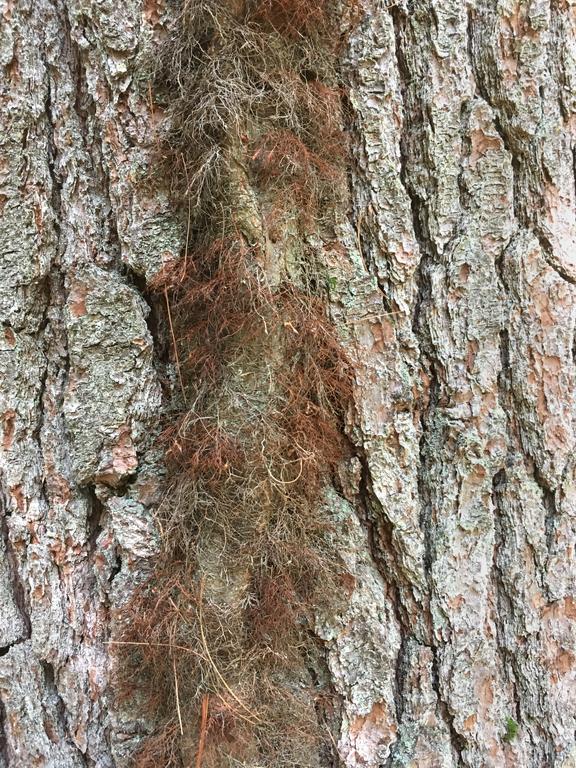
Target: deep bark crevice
{"type": "Point", "coordinates": [457, 741]}
{"type": "Point", "coordinates": [16, 579]}
{"type": "Point", "coordinates": [379, 531]}
{"type": "Point", "coordinates": [551, 511]}
{"type": "Point", "coordinates": [4, 755]}
{"type": "Point", "coordinates": [158, 324]}
{"type": "Point", "coordinates": [504, 601]}
{"type": "Point", "coordinates": [59, 710]}
{"type": "Point", "coordinates": [380, 550]}
{"type": "Point", "coordinates": [95, 519]}
{"type": "Point", "coordinates": [399, 682]}
{"type": "Point", "coordinates": [423, 470]}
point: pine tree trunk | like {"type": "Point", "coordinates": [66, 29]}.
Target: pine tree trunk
{"type": "Point", "coordinates": [452, 266]}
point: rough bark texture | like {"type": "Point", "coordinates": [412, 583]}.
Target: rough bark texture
{"type": "Point", "coordinates": [454, 293]}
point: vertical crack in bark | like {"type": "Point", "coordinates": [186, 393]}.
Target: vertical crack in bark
{"type": "Point", "coordinates": [401, 613]}
{"type": "Point", "coordinates": [423, 489]}
{"type": "Point", "coordinates": [4, 761]}
{"type": "Point", "coordinates": [59, 710]}
{"type": "Point", "coordinates": [543, 748]}
{"type": "Point", "coordinates": [51, 155]}
{"type": "Point", "coordinates": [15, 577]}
{"type": "Point", "coordinates": [514, 439]}
{"type": "Point", "coordinates": [505, 605]}
{"type": "Point", "coordinates": [400, 676]}
{"type": "Point", "coordinates": [376, 524]}
{"type": "Point", "coordinates": [555, 59]}
{"type": "Point", "coordinates": [502, 494]}
{"type": "Point", "coordinates": [457, 741]}
{"type": "Point", "coordinates": [427, 255]}
{"type": "Point", "coordinates": [485, 95]}
{"type": "Point", "coordinates": [399, 683]}
{"type": "Point", "coordinates": [329, 719]}
{"type": "Point", "coordinates": [418, 207]}
{"type": "Point", "coordinates": [379, 531]}
{"type": "Point", "coordinates": [19, 595]}
{"type": "Point", "coordinates": [95, 518]}
{"type": "Point", "coordinates": [158, 326]}
{"type": "Point", "coordinates": [550, 507]}
{"type": "Point", "coordinates": [370, 513]}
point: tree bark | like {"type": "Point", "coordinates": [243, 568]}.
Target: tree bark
{"type": "Point", "coordinates": [453, 267]}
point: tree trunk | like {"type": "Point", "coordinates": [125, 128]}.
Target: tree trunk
{"type": "Point", "coordinates": [452, 270]}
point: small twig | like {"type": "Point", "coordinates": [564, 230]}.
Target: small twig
{"type": "Point", "coordinates": [177, 693]}
{"type": "Point", "coordinates": [203, 728]}
{"type": "Point", "coordinates": [150, 99]}
{"type": "Point", "coordinates": [189, 215]}
{"type": "Point", "coordinates": [253, 717]}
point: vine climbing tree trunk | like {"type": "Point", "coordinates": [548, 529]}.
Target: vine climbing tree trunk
{"type": "Point", "coordinates": [446, 263]}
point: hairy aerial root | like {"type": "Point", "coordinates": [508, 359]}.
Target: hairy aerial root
{"type": "Point", "coordinates": [216, 644]}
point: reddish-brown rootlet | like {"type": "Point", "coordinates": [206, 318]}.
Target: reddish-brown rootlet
{"type": "Point", "coordinates": [291, 17]}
